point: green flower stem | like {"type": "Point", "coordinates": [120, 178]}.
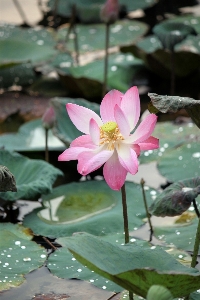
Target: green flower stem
{"type": "Point", "coordinates": [106, 61]}
{"type": "Point", "coordinates": [196, 246]}
{"type": "Point", "coordinates": [126, 230]}
{"type": "Point", "coordinates": [125, 214]}
{"type": "Point", "coordinates": [142, 182]}
{"type": "Point", "coordinates": [46, 145]}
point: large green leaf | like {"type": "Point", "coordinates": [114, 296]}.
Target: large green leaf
{"type": "Point", "coordinates": [33, 177]}
{"type": "Point", "coordinates": [64, 129]}
{"type": "Point", "coordinates": [92, 37]}
{"type": "Point", "coordinates": [126, 265]}
{"type": "Point", "coordinates": [176, 198]}
{"type": "Point", "coordinates": [181, 162]}
{"type": "Point", "coordinates": [30, 137]}
{"type": "Point", "coordinates": [191, 20]}
{"type": "Point", "coordinates": [69, 209]}
{"type": "Point", "coordinates": [24, 51]}
{"type": "Point", "coordinates": [87, 81]}
{"type": "Point", "coordinates": [158, 60]}
{"type": "Point", "coordinates": [170, 137]}
{"type": "Point", "coordinates": [19, 255]}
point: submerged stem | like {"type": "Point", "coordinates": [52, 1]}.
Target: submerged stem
{"type": "Point", "coordinates": [142, 182]}
{"type": "Point", "coordinates": [196, 208]}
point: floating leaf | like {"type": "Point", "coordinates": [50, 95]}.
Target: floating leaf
{"type": "Point", "coordinates": [19, 255]}
{"type": "Point", "coordinates": [30, 137]}
{"type": "Point", "coordinates": [172, 33]}
{"type": "Point", "coordinates": [157, 59]}
{"type": "Point", "coordinates": [33, 177]}
{"type": "Point", "coordinates": [170, 136]}
{"type": "Point", "coordinates": [87, 81]}
{"type": "Point", "coordinates": [95, 208]}
{"type": "Point", "coordinates": [180, 163]}
{"type": "Point", "coordinates": [123, 32]}
{"type": "Point", "coordinates": [176, 198]}
{"type": "Point", "coordinates": [126, 265]}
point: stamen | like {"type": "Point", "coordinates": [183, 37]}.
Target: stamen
{"type": "Point", "coordinates": [110, 134]}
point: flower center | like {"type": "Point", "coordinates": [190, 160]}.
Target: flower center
{"type": "Point", "coordinates": [109, 134]}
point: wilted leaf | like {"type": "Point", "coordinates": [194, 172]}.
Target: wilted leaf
{"type": "Point", "coordinates": [7, 180]}
{"type": "Point", "coordinates": [174, 103]}
{"type": "Point", "coordinates": [176, 198]}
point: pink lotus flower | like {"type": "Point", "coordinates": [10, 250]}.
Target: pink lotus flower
{"type": "Point", "coordinates": [108, 140]}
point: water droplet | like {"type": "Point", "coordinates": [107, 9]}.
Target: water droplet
{"type": "Point", "coordinates": [91, 280]}
{"type": "Point", "coordinates": [113, 68]}
{"type": "Point", "coordinates": [153, 247]}
{"type": "Point", "coordinates": [196, 155]}
{"type": "Point", "coordinates": [180, 256]}
{"type": "Point", "coordinates": [79, 270]}
{"type": "Point", "coordinates": [17, 243]}
{"type": "Point", "coordinates": [103, 287]}
{"type": "Point", "coordinates": [8, 255]}
{"type": "Point", "coordinates": [73, 258]}
{"type": "Point", "coordinates": [40, 42]}
{"type": "Point", "coordinates": [23, 247]}
{"type": "Point", "coordinates": [26, 259]}
{"type": "Point", "coordinates": [43, 255]}
{"type": "Point", "coordinates": [132, 240]}
{"type": "Point", "coordinates": [180, 157]}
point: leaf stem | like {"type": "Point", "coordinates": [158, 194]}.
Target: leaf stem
{"type": "Point", "coordinates": [142, 182]}
{"type": "Point", "coordinates": [21, 12]}
{"type": "Point", "coordinates": [172, 89]}
{"type": "Point", "coordinates": [106, 60]}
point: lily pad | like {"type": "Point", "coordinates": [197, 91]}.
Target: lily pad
{"type": "Point", "coordinates": [190, 20]}
{"type": "Point", "coordinates": [154, 265]}
{"type": "Point", "coordinates": [170, 137]}
{"type": "Point", "coordinates": [181, 162]}
{"type": "Point", "coordinates": [157, 59]}
{"type": "Point", "coordinates": [30, 137]}
{"type": "Point", "coordinates": [19, 255]}
{"type": "Point", "coordinates": [176, 198]}
{"type": "Point", "coordinates": [33, 177]}
{"type": "Point", "coordinates": [172, 33]}
{"type": "Point", "coordinates": [74, 269]}
{"type": "Point", "coordinates": [21, 45]}
{"type": "Point", "coordinates": [102, 219]}
{"type": "Point", "coordinates": [87, 81]}
{"type": "Point", "coordinates": [91, 37]}
{"type": "Point", "coordinates": [20, 74]}
{"type": "Point", "coordinates": [64, 129]}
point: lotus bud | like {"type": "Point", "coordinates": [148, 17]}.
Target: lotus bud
{"type": "Point", "coordinates": [110, 11]}
{"type": "Point", "coordinates": [48, 118]}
